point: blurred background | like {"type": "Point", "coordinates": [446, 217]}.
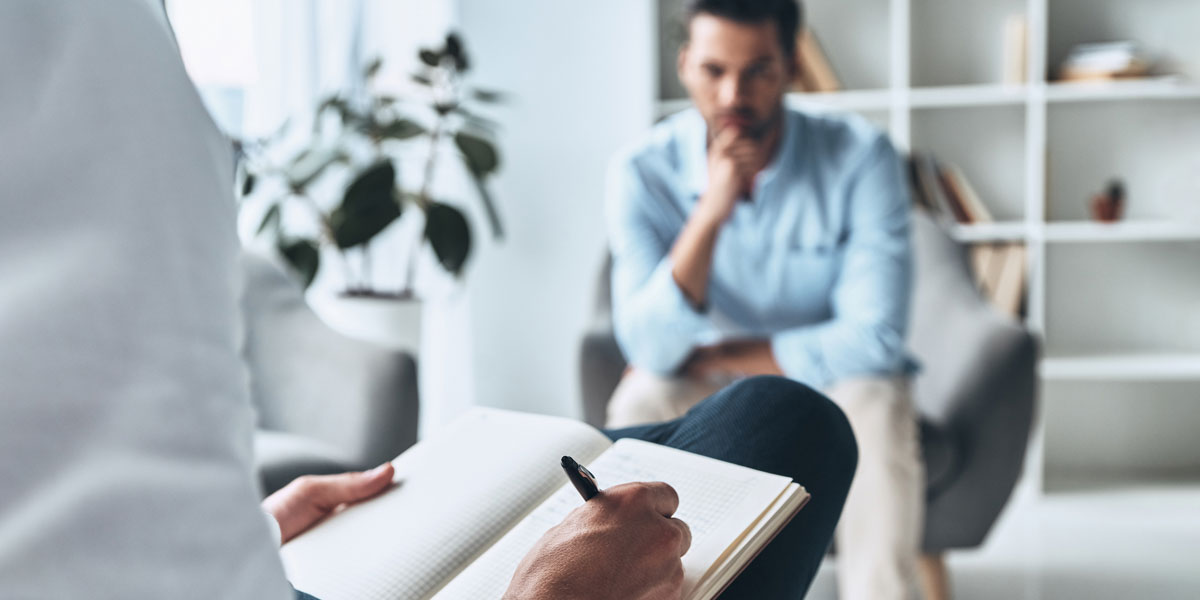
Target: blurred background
{"type": "Point", "coordinates": [1058, 139]}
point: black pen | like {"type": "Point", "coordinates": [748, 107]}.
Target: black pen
{"type": "Point", "coordinates": [581, 478]}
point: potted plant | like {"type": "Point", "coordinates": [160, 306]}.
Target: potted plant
{"type": "Point", "coordinates": [354, 140]}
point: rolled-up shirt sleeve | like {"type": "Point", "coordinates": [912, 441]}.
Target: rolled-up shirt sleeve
{"type": "Point", "coordinates": [870, 301]}
{"type": "Point", "coordinates": [655, 324]}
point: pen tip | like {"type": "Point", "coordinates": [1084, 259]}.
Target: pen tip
{"type": "Point", "coordinates": [568, 462]}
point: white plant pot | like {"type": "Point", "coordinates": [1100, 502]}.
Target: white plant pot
{"type": "Point", "coordinates": [388, 322]}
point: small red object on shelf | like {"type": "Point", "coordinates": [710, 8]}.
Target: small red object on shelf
{"type": "Point", "coordinates": [1108, 206]}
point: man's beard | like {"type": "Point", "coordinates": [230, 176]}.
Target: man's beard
{"type": "Point", "coordinates": [758, 128]}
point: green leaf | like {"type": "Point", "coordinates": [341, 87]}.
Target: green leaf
{"type": "Point", "coordinates": [372, 68]}
{"type": "Point", "coordinates": [447, 231]}
{"type": "Point", "coordinates": [309, 164]}
{"type": "Point", "coordinates": [489, 206]}
{"type": "Point", "coordinates": [373, 185]}
{"type": "Point", "coordinates": [401, 129]}
{"type": "Point", "coordinates": [248, 184]}
{"type": "Point", "coordinates": [454, 46]}
{"type": "Point", "coordinates": [271, 218]}
{"type": "Point", "coordinates": [422, 79]}
{"type": "Point", "coordinates": [476, 121]}
{"type": "Point", "coordinates": [352, 229]}
{"type": "Point", "coordinates": [429, 57]}
{"type": "Point", "coordinates": [336, 104]}
{"type": "Point", "coordinates": [483, 95]}
{"type": "Point", "coordinates": [480, 155]}
{"type": "Point", "coordinates": [303, 256]}
{"type": "Point", "coordinates": [455, 50]}
{"type": "Point", "coordinates": [368, 206]}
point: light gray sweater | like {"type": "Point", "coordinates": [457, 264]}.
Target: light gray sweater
{"type": "Point", "coordinates": [125, 423]}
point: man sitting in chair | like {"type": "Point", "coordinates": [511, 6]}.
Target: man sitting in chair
{"type": "Point", "coordinates": [751, 238]}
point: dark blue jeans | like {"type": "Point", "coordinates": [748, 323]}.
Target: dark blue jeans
{"type": "Point", "coordinates": [779, 426]}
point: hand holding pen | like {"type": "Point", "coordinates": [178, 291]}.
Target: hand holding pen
{"type": "Point", "coordinates": [623, 531]}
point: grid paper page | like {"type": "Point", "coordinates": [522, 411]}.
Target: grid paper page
{"type": "Point", "coordinates": [458, 492]}
{"type": "Point", "coordinates": [719, 502]}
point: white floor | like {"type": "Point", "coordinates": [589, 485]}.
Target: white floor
{"type": "Point", "coordinates": [1136, 543]}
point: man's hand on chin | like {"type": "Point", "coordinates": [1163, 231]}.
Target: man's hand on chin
{"type": "Point", "coordinates": [308, 499]}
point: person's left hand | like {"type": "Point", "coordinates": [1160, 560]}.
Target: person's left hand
{"type": "Point", "coordinates": [709, 363]}
{"type": "Point", "coordinates": [731, 359]}
{"type": "Point", "coordinates": [310, 498]}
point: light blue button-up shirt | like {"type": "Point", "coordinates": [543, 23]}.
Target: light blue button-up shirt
{"type": "Point", "coordinates": [818, 261]}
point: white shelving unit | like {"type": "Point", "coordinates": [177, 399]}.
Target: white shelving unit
{"type": "Point", "coordinates": [1116, 305]}
{"type": "Point", "coordinates": [1123, 367]}
{"type": "Point", "coordinates": [1081, 232]}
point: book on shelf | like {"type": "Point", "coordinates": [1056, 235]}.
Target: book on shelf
{"type": "Point", "coordinates": [959, 189]}
{"type": "Point", "coordinates": [916, 185]}
{"type": "Point", "coordinates": [1008, 289]}
{"type": "Point", "coordinates": [1000, 271]}
{"type": "Point", "coordinates": [1104, 61]}
{"type": "Point", "coordinates": [1016, 49]}
{"type": "Point", "coordinates": [951, 192]}
{"type": "Point", "coordinates": [983, 265]}
{"type": "Point", "coordinates": [926, 190]}
{"type": "Point", "coordinates": [945, 192]}
{"type": "Point", "coordinates": [944, 189]}
{"type": "Point", "coordinates": [815, 74]}
{"type": "Point", "coordinates": [473, 499]}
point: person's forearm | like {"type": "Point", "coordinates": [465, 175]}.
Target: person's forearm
{"type": "Point", "coordinates": [692, 255]}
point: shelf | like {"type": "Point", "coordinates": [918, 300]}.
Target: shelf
{"type": "Point", "coordinates": [967, 95]}
{"type": "Point", "coordinates": [1123, 367]}
{"type": "Point", "coordinates": [1126, 231]}
{"type": "Point", "coordinates": [846, 100]}
{"type": "Point", "coordinates": [1081, 232]}
{"type": "Point", "coordinates": [960, 96]}
{"type": "Point", "coordinates": [1160, 88]}
{"type": "Point", "coordinates": [989, 232]}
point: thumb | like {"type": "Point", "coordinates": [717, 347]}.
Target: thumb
{"type": "Point", "coordinates": [352, 487]}
{"type": "Point", "coordinates": [724, 138]}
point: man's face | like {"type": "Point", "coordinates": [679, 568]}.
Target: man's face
{"type": "Point", "coordinates": [735, 73]}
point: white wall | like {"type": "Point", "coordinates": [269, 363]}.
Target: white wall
{"type": "Point", "coordinates": [581, 78]}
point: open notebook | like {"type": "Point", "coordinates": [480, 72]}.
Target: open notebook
{"type": "Point", "coordinates": [473, 499]}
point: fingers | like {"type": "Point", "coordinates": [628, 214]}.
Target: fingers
{"type": "Point", "coordinates": [725, 138]}
{"type": "Point", "coordinates": [697, 364]}
{"type": "Point", "coordinates": [332, 490]}
{"type": "Point", "coordinates": [662, 497]}
{"type": "Point", "coordinates": [655, 495]}
{"type": "Point", "coordinates": [685, 532]}
{"type": "Point", "coordinates": [745, 154]}
{"type": "Point", "coordinates": [738, 149]}
{"type": "Point", "coordinates": [662, 500]}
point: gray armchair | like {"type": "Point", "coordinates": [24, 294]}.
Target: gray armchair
{"type": "Point", "coordinates": [975, 394]}
{"type": "Point", "coordinates": [326, 403]}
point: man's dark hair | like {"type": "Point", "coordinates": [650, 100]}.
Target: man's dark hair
{"type": "Point", "coordinates": [786, 14]}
